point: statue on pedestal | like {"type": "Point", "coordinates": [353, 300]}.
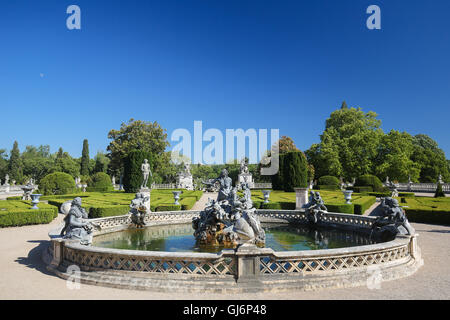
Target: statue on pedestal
{"type": "Point", "coordinates": [146, 172]}
{"type": "Point", "coordinates": [76, 224]}
{"type": "Point", "coordinates": [314, 207]}
{"type": "Point", "coordinates": [138, 209]}
{"type": "Point", "coordinates": [6, 180]}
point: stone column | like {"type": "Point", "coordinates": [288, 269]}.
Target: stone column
{"type": "Point", "coordinates": [301, 197]}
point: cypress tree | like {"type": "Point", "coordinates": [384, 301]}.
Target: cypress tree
{"type": "Point", "coordinates": [439, 192]}
{"type": "Point", "coordinates": [295, 171]}
{"type": "Point", "coordinates": [85, 159]}
{"type": "Point", "coordinates": [15, 165]}
{"type": "Point", "coordinates": [277, 179]}
{"type": "Point", "coordinates": [132, 175]}
{"type": "Point", "coordinates": [344, 105]}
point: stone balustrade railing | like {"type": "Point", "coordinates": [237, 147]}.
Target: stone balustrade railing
{"type": "Point", "coordinates": [422, 187]}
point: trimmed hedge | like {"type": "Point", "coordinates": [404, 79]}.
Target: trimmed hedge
{"type": "Point", "coordinates": [108, 211]}
{"type": "Point", "coordinates": [361, 189]}
{"type": "Point", "coordinates": [369, 180]}
{"type": "Point", "coordinates": [57, 183]}
{"type": "Point", "coordinates": [169, 207]}
{"type": "Point", "coordinates": [362, 204]}
{"type": "Point", "coordinates": [423, 215]}
{"type": "Point", "coordinates": [18, 213]}
{"type": "Point", "coordinates": [100, 182]}
{"type": "Point", "coordinates": [327, 187]}
{"type": "Point", "coordinates": [328, 181]}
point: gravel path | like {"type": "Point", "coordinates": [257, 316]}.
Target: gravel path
{"type": "Point", "coordinates": [24, 275]}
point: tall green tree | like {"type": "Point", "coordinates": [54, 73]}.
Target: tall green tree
{"type": "Point", "coordinates": [84, 170]}
{"type": "Point", "coordinates": [430, 158]}
{"type": "Point", "coordinates": [101, 162]}
{"type": "Point", "coordinates": [136, 135]}
{"type": "Point", "coordinates": [394, 157]}
{"type": "Point", "coordinates": [15, 164]}
{"type": "Point", "coordinates": [348, 144]}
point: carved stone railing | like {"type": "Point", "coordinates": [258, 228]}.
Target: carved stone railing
{"type": "Point", "coordinates": [422, 187]}
{"type": "Point", "coordinates": [261, 185]}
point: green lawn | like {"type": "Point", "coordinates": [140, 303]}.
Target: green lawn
{"type": "Point", "coordinates": [427, 209]}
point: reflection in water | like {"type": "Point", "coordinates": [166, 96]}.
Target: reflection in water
{"type": "Point", "coordinates": [279, 237]}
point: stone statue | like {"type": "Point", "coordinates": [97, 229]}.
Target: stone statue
{"type": "Point", "coordinates": [228, 220]}
{"type": "Point", "coordinates": [440, 179]}
{"type": "Point", "coordinates": [244, 167]}
{"type": "Point", "coordinates": [314, 207]}
{"type": "Point", "coordinates": [113, 180]}
{"type": "Point", "coordinates": [387, 180]}
{"type": "Point", "coordinates": [146, 172]}
{"type": "Point", "coordinates": [76, 224]}
{"type": "Point", "coordinates": [225, 183]}
{"type": "Point", "coordinates": [6, 180]}
{"type": "Point", "coordinates": [138, 209]}
{"type": "Point", "coordinates": [392, 221]}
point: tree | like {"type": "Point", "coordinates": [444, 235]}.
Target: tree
{"type": "Point", "coordinates": [430, 158]}
{"type": "Point", "coordinates": [65, 163]}
{"type": "Point", "coordinates": [57, 183]}
{"type": "Point", "coordinates": [348, 144]}
{"type": "Point", "coordinates": [439, 193]}
{"type": "Point", "coordinates": [394, 157]}
{"type": "Point", "coordinates": [3, 163]}
{"type": "Point", "coordinates": [101, 162]}
{"type": "Point", "coordinates": [84, 170]}
{"type": "Point", "coordinates": [136, 135]}
{"type": "Point", "coordinates": [286, 144]}
{"type": "Point", "coordinates": [15, 164]}
{"type": "Point", "coordinates": [132, 176]}
{"type": "Point", "coordinates": [295, 171]}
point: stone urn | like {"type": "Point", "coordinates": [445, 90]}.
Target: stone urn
{"type": "Point", "coordinates": [35, 200]}
{"type": "Point", "coordinates": [266, 194]}
{"type": "Point", "coordinates": [176, 196]}
{"type": "Point", "coordinates": [348, 196]}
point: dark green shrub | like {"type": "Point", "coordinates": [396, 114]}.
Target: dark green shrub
{"type": "Point", "coordinates": [328, 181]}
{"type": "Point", "coordinates": [340, 208]}
{"type": "Point", "coordinates": [107, 211]}
{"type": "Point", "coordinates": [406, 194]}
{"type": "Point", "coordinates": [132, 176]}
{"type": "Point", "coordinates": [361, 189]}
{"type": "Point", "coordinates": [169, 207]}
{"type": "Point", "coordinates": [362, 204]}
{"type": "Point", "coordinates": [439, 193]}
{"type": "Point", "coordinates": [295, 171]}
{"type": "Point", "coordinates": [100, 182]}
{"type": "Point", "coordinates": [369, 180]}
{"type": "Point", "coordinates": [425, 215]}
{"type": "Point", "coordinates": [271, 205]}
{"type": "Point", "coordinates": [327, 187]}
{"type": "Point", "coordinates": [20, 218]}
{"type": "Point", "coordinates": [57, 183]}
{"type": "Point", "coordinates": [277, 179]}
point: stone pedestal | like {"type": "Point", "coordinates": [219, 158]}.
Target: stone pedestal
{"type": "Point", "coordinates": [146, 192]}
{"type": "Point", "coordinates": [301, 197]}
{"type": "Point", "coordinates": [242, 177]}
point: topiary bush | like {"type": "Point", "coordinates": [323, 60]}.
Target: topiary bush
{"type": "Point", "coordinates": [100, 182]}
{"type": "Point", "coordinates": [132, 175]}
{"type": "Point", "coordinates": [439, 192]}
{"type": "Point", "coordinates": [277, 179]}
{"type": "Point", "coordinates": [295, 171]}
{"type": "Point", "coordinates": [369, 180]}
{"type": "Point", "coordinates": [57, 183]}
{"type": "Point", "coordinates": [328, 181]}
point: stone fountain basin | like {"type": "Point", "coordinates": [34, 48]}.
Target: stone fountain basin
{"type": "Point", "coordinates": [245, 269]}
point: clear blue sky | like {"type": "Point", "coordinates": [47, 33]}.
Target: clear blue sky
{"type": "Point", "coordinates": [230, 63]}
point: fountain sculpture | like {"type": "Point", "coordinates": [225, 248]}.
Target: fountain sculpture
{"type": "Point", "coordinates": [314, 207]}
{"type": "Point", "coordinates": [228, 220]}
{"type": "Point", "coordinates": [138, 209]}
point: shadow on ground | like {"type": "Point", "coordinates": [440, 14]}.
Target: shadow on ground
{"type": "Point", "coordinates": [34, 258]}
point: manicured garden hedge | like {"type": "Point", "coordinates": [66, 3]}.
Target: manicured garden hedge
{"type": "Point", "coordinates": [327, 187]}
{"type": "Point", "coordinates": [427, 210]}
{"type": "Point", "coordinates": [369, 180]}
{"type": "Point", "coordinates": [328, 181]}
{"type": "Point", "coordinates": [18, 213]}
{"type": "Point", "coordinates": [57, 183]}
